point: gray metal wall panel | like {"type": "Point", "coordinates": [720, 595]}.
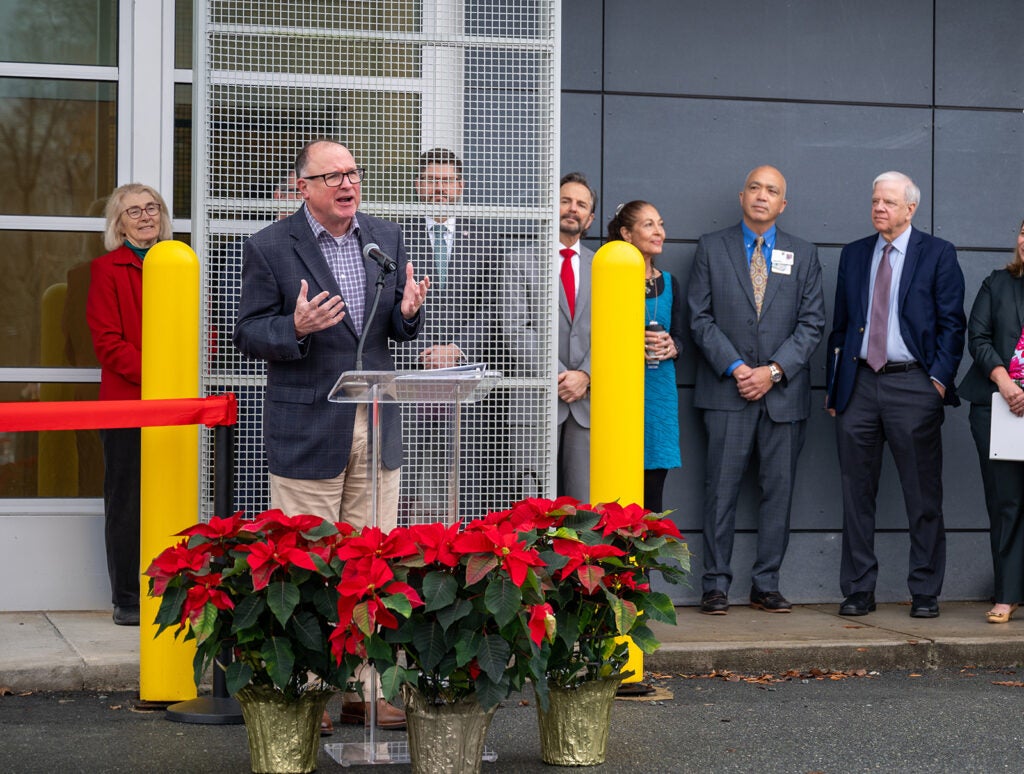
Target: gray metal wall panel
{"type": "Point", "coordinates": [852, 50]}
{"type": "Point", "coordinates": [979, 169]}
{"type": "Point", "coordinates": [979, 60]}
{"type": "Point", "coordinates": [691, 157]}
{"type": "Point", "coordinates": [581, 45]}
{"type": "Point", "coordinates": [580, 148]}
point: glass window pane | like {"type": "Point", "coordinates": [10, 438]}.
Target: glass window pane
{"type": "Point", "coordinates": [59, 146]}
{"type": "Point", "coordinates": [59, 463]}
{"type": "Point", "coordinates": [182, 204]}
{"type": "Point", "coordinates": [46, 281]}
{"type": "Point", "coordinates": [183, 34]}
{"type": "Point", "coordinates": [59, 32]}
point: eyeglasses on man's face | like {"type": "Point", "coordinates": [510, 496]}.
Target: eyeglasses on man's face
{"type": "Point", "coordinates": [334, 179]}
{"type": "Point", "coordinates": [152, 209]}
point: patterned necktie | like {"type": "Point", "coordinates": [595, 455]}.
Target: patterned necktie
{"type": "Point", "coordinates": [758, 274]}
{"type": "Point", "coordinates": [440, 254]}
{"type": "Point", "coordinates": [569, 279]}
{"type": "Point", "coordinates": [878, 337]}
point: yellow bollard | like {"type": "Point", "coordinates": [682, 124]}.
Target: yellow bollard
{"type": "Point", "coordinates": [57, 467]}
{"type": "Point", "coordinates": [617, 386]}
{"type": "Point", "coordinates": [170, 455]}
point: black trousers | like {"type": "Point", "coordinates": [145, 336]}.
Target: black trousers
{"type": "Point", "coordinates": [1004, 500]}
{"type": "Point", "coordinates": [122, 452]}
{"type": "Point", "coordinates": [905, 411]}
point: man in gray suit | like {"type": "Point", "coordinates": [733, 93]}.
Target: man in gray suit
{"type": "Point", "coordinates": [523, 314]}
{"type": "Point", "coordinates": [756, 313]}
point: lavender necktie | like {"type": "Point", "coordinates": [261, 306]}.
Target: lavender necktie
{"type": "Point", "coordinates": [877, 338]}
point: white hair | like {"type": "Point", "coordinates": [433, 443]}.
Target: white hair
{"type": "Point", "coordinates": [911, 193]}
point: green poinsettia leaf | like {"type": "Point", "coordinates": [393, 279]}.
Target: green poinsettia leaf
{"type": "Point", "coordinates": [169, 613]}
{"type": "Point", "coordinates": [659, 607]}
{"type": "Point", "coordinates": [582, 521]}
{"type": "Point", "coordinates": [237, 676]}
{"type": "Point", "coordinates": [503, 599]}
{"type": "Point", "coordinates": [281, 599]}
{"type": "Point", "coordinates": [430, 644]}
{"type": "Point", "coordinates": [455, 612]}
{"type": "Point", "coordinates": [624, 612]}
{"type": "Point", "coordinates": [490, 692]}
{"type": "Point", "coordinates": [478, 567]}
{"type": "Point", "coordinates": [247, 613]}
{"type": "Point", "coordinates": [392, 678]}
{"type": "Point", "coordinates": [439, 590]}
{"type": "Point", "coordinates": [279, 658]}
{"type": "Point", "coordinates": [678, 551]}
{"type": "Point", "coordinates": [205, 623]}
{"type": "Point", "coordinates": [467, 645]}
{"type": "Point", "coordinates": [306, 628]}
{"type": "Point", "coordinates": [644, 639]}
{"type": "Point", "coordinates": [399, 603]}
{"type": "Point", "coordinates": [325, 600]}
{"type": "Point", "coordinates": [378, 651]}
{"type": "Point", "coordinates": [493, 656]}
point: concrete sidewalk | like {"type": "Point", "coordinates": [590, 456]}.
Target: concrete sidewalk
{"type": "Point", "coordinates": [67, 651]}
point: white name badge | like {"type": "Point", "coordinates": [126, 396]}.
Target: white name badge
{"type": "Point", "coordinates": [783, 257]}
{"type": "Point", "coordinates": [781, 268]}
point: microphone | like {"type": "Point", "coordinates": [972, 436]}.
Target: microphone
{"type": "Point", "coordinates": [373, 253]}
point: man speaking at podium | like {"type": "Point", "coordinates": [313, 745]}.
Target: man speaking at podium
{"type": "Point", "coordinates": [308, 283]}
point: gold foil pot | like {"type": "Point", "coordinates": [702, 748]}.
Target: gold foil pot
{"type": "Point", "coordinates": [574, 729]}
{"type": "Point", "coordinates": [445, 738]}
{"type": "Point", "coordinates": [284, 733]}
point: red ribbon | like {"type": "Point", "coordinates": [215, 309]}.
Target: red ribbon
{"type": "Point", "coordinates": [101, 414]}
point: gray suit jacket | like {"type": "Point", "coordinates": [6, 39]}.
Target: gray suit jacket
{"type": "Point", "coordinates": [462, 310]}
{"type": "Point", "coordinates": [992, 332]}
{"type": "Point", "coordinates": [523, 311]}
{"type": "Point", "coordinates": [725, 326]}
{"type": "Point", "coordinates": [307, 436]}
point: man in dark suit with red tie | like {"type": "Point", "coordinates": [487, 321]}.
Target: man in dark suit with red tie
{"type": "Point", "coordinates": [894, 350]}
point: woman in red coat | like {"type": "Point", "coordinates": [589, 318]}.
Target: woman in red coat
{"type": "Point", "coordinates": [137, 218]}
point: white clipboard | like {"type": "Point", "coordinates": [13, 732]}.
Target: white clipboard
{"type": "Point", "coordinates": [1007, 439]}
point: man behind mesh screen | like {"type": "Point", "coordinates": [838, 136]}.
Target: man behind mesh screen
{"type": "Point", "coordinates": [305, 291]}
{"type": "Point", "coordinates": [458, 255]}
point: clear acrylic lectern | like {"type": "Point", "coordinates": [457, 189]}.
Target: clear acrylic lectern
{"type": "Point", "coordinates": [446, 386]}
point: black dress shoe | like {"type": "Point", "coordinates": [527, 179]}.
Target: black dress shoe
{"type": "Point", "coordinates": [858, 603]}
{"type": "Point", "coordinates": [924, 606]}
{"type": "Point", "coordinates": [126, 616]}
{"type": "Point", "coordinates": [714, 603]}
{"type": "Point", "coordinates": [769, 601]}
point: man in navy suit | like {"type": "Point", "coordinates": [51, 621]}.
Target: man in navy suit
{"type": "Point", "coordinates": [757, 314]}
{"type": "Point", "coordinates": [894, 350]}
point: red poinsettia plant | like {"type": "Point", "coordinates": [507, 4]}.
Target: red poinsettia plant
{"type": "Point", "coordinates": [453, 611]}
{"type": "Point", "coordinates": [599, 561]}
{"type": "Point", "coordinates": [265, 588]}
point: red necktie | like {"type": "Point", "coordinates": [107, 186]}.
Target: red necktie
{"type": "Point", "coordinates": [569, 279]}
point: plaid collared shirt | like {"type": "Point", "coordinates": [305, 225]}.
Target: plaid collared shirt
{"type": "Point", "coordinates": [345, 260]}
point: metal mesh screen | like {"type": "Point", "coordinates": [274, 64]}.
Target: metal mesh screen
{"type": "Point", "coordinates": [391, 80]}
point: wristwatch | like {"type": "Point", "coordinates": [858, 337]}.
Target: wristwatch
{"type": "Point", "coordinates": [775, 372]}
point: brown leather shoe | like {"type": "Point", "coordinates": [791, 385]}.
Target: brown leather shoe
{"type": "Point", "coordinates": [326, 726]}
{"type": "Point", "coordinates": [358, 712]}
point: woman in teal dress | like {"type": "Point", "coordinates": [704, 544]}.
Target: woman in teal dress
{"type": "Point", "coordinates": [639, 223]}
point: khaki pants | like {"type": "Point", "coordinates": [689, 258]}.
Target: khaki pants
{"type": "Point", "coordinates": [346, 497]}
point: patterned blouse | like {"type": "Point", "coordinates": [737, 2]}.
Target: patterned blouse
{"type": "Point", "coordinates": [1016, 368]}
